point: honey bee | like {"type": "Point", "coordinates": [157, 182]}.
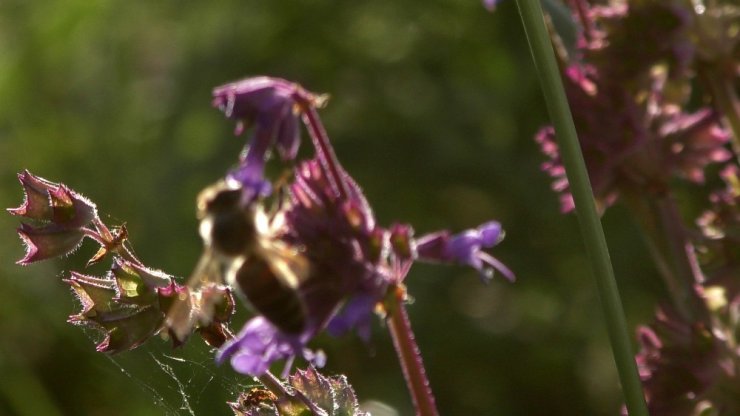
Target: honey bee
{"type": "Point", "coordinates": [241, 249]}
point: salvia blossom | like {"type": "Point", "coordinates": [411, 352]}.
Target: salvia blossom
{"type": "Point", "coordinates": [466, 248]}
{"type": "Point", "coordinates": [272, 106]}
{"type": "Point", "coordinates": [688, 368]}
{"type": "Point", "coordinates": [353, 261]}
{"type": "Point", "coordinates": [720, 228]}
{"type": "Point", "coordinates": [628, 84]}
{"type": "Point", "coordinates": [625, 40]}
{"type": "Point", "coordinates": [307, 257]}
{"type": "Point", "coordinates": [633, 134]}
{"type": "Point", "coordinates": [723, 219]}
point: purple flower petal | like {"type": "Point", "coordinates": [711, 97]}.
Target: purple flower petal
{"type": "Point", "coordinates": [259, 344]}
{"type": "Point", "coordinates": [270, 105]}
{"type": "Point", "coordinates": [465, 248]}
{"type": "Point", "coordinates": [357, 314]}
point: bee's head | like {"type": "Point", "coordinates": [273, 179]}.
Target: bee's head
{"type": "Point", "coordinates": [220, 197]}
{"type": "Point", "coordinates": [225, 224]}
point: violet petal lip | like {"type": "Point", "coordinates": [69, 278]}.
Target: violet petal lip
{"type": "Point", "coordinates": [259, 344]}
{"type": "Point", "coordinates": [466, 248]}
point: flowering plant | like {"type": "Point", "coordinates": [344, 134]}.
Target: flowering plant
{"type": "Point", "coordinates": [305, 254]}
{"type": "Point", "coordinates": [652, 86]}
{"type": "Point", "coordinates": [639, 129]}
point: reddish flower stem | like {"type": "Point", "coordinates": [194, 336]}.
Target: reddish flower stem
{"type": "Point", "coordinates": [581, 9]}
{"type": "Point", "coordinates": [398, 321]}
{"type": "Point", "coordinates": [408, 353]}
{"type": "Point", "coordinates": [325, 152]}
{"type": "Point", "coordinates": [103, 236]}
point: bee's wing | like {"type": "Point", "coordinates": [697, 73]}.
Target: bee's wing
{"type": "Point", "coordinates": [187, 309]}
{"type": "Point", "coordinates": [289, 266]}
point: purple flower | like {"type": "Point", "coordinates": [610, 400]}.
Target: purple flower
{"type": "Point", "coordinates": [693, 141]}
{"type": "Point", "coordinates": [273, 107]}
{"type": "Point", "coordinates": [628, 144]}
{"type": "Point", "coordinates": [624, 86]}
{"type": "Point", "coordinates": [326, 220]}
{"type": "Point", "coordinates": [465, 248]}
{"type": "Point", "coordinates": [336, 236]}
{"type": "Point", "coordinates": [635, 36]}
{"type": "Point", "coordinates": [353, 263]}
{"type": "Point", "coordinates": [720, 228]}
{"type": "Point", "coordinates": [260, 343]}
{"type": "Point", "coordinates": [270, 104]}
{"type": "Point", "coordinates": [686, 367]}
{"type": "Point", "coordinates": [357, 313]}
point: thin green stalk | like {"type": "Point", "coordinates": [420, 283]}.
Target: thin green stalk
{"type": "Point", "coordinates": [592, 233]}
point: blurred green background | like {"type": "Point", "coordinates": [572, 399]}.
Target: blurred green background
{"type": "Point", "coordinates": [434, 105]}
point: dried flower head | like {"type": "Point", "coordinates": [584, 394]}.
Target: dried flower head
{"type": "Point", "coordinates": [59, 215]}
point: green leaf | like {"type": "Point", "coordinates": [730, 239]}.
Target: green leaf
{"type": "Point", "coordinates": [344, 397]}
{"type": "Point", "coordinates": [315, 387]}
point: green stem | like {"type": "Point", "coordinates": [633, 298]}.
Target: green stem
{"type": "Point", "coordinates": [592, 232]}
{"type": "Point", "coordinates": [408, 353]}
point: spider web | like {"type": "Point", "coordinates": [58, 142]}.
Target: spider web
{"type": "Point", "coordinates": [185, 382]}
